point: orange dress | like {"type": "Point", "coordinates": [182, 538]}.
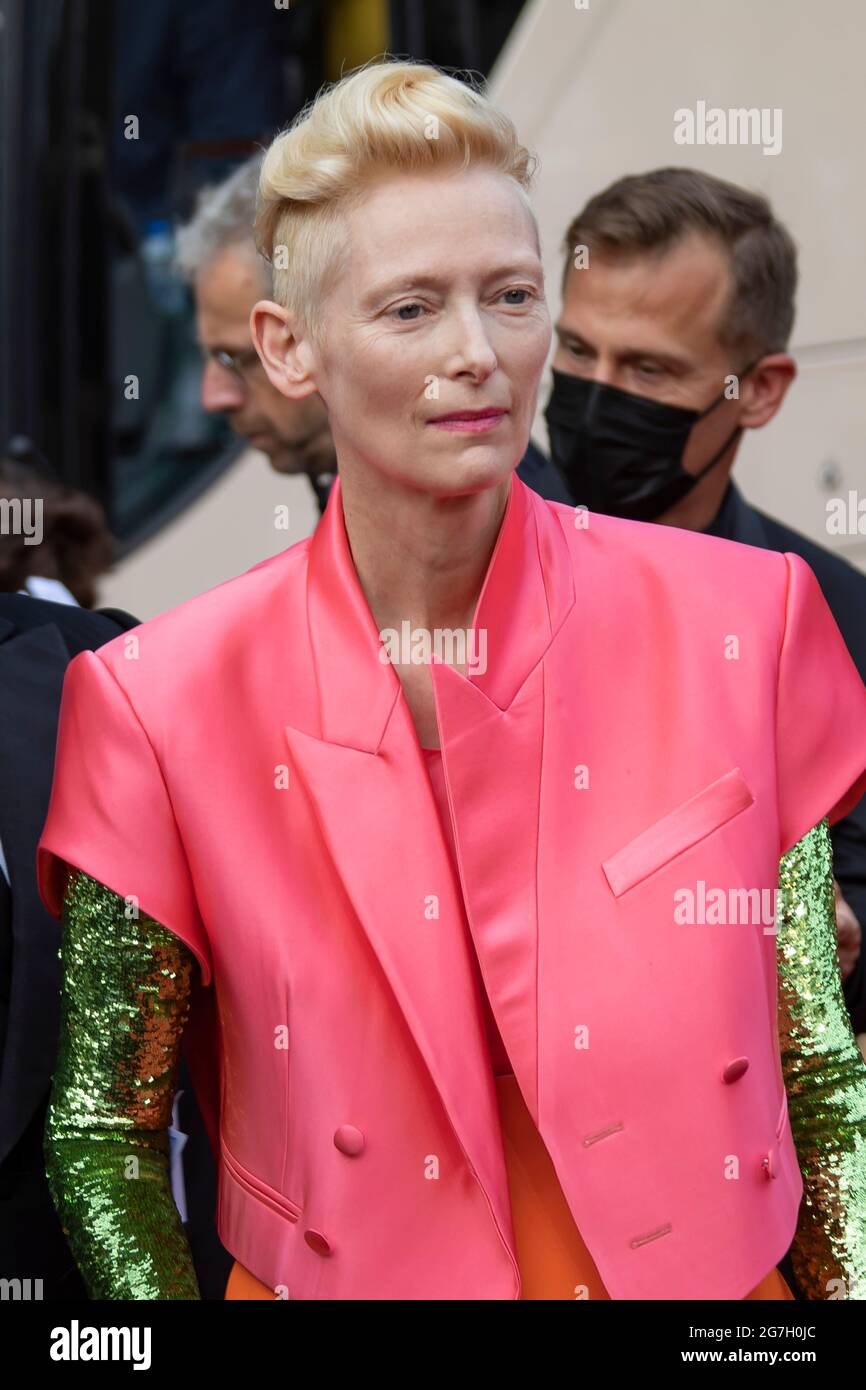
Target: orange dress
{"type": "Point", "coordinates": [553, 1261]}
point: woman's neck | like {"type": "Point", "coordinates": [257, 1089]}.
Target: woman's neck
{"type": "Point", "coordinates": [419, 557]}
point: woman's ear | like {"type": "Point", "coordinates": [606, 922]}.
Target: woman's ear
{"type": "Point", "coordinates": [284, 355]}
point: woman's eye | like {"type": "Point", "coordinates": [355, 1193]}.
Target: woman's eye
{"type": "Point", "coordinates": [402, 308]}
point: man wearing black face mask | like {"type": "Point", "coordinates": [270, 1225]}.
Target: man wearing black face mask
{"type": "Point", "coordinates": [678, 303]}
{"type": "Point", "coordinates": [622, 453]}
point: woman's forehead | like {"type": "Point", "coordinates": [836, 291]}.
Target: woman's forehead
{"type": "Point", "coordinates": [436, 196]}
{"type": "Point", "coordinates": [404, 224]}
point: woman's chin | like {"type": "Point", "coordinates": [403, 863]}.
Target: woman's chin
{"type": "Point", "coordinates": [476, 471]}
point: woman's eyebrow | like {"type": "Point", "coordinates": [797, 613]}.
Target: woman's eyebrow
{"type": "Point", "coordinates": [400, 284]}
{"type": "Point", "coordinates": [424, 280]}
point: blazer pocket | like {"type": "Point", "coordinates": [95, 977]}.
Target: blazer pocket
{"type": "Point", "coordinates": [681, 828]}
{"type": "Point", "coordinates": [277, 1201]}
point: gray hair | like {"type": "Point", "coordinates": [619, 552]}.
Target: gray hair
{"type": "Point", "coordinates": [224, 217]}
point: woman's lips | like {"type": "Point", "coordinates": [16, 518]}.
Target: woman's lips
{"type": "Point", "coordinates": [480, 424]}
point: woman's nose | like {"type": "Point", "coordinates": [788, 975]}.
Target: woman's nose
{"type": "Point", "coordinates": [472, 347]}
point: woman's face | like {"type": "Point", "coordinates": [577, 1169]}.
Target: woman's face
{"type": "Point", "coordinates": [440, 308]}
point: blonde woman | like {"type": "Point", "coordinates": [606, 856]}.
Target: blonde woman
{"type": "Point", "coordinates": [403, 817]}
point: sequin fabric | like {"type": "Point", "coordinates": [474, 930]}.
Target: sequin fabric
{"type": "Point", "coordinates": [825, 1077]}
{"type": "Point", "coordinates": [124, 1001]}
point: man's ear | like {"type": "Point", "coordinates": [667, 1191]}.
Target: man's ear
{"type": "Point", "coordinates": [284, 355]}
{"type": "Point", "coordinates": [768, 384]}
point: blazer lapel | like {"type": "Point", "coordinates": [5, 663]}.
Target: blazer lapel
{"type": "Point", "coordinates": [364, 771]}
{"type": "Point", "coordinates": [492, 733]}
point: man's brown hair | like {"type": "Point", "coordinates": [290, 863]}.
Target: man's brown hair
{"type": "Point", "coordinates": [647, 214]}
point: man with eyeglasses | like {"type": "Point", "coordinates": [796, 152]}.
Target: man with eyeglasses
{"type": "Point", "coordinates": [217, 255]}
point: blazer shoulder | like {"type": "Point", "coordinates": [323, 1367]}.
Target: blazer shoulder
{"type": "Point", "coordinates": [656, 543]}
{"type": "Point", "coordinates": [677, 562]}
{"type": "Point", "coordinates": [215, 624]}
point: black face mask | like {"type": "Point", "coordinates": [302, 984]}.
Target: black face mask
{"type": "Point", "coordinates": [622, 454]}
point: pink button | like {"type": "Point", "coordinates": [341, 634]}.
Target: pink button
{"type": "Point", "coordinates": [317, 1242]}
{"type": "Point", "coordinates": [734, 1070]}
{"type": "Point", "coordinates": [349, 1140]}
{"type": "Point", "coordinates": [769, 1166]}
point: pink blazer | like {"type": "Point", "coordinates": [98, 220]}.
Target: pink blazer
{"type": "Point", "coordinates": [659, 708]}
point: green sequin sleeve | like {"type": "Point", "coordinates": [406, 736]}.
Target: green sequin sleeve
{"type": "Point", "coordinates": [825, 1077]}
{"type": "Point", "coordinates": [124, 1002]}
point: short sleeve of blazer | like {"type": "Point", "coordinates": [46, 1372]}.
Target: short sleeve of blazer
{"type": "Point", "coordinates": [110, 814]}
{"type": "Point", "coordinates": [820, 713]}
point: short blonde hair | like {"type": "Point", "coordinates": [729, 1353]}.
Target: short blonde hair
{"type": "Point", "coordinates": [386, 116]}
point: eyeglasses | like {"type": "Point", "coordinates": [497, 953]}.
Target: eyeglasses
{"type": "Point", "coordinates": [239, 363]}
